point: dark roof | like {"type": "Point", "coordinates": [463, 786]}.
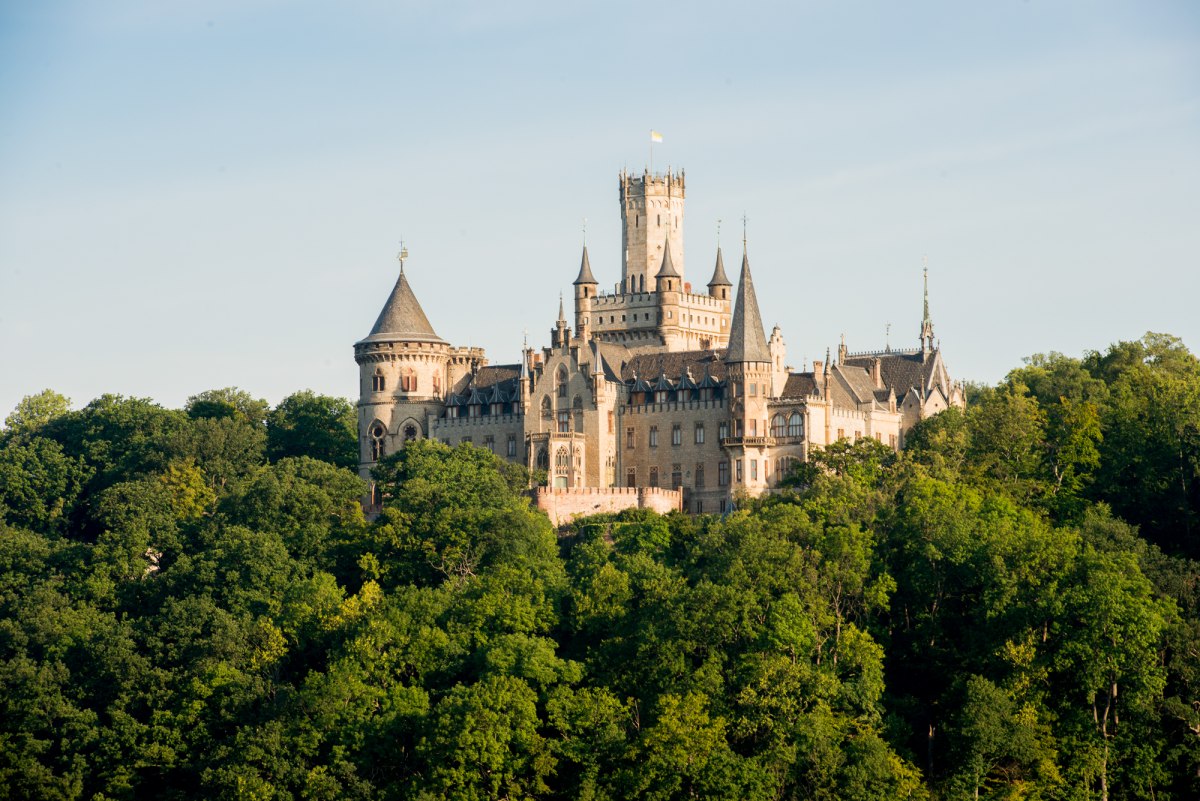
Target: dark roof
{"type": "Point", "coordinates": [800, 385]}
{"type": "Point", "coordinates": [668, 264]}
{"type": "Point", "coordinates": [675, 365]}
{"type": "Point", "coordinates": [402, 318]}
{"type": "Point", "coordinates": [899, 371]}
{"type": "Point", "coordinates": [496, 373]}
{"type": "Point", "coordinates": [719, 278]}
{"type": "Point", "coordinates": [585, 270]}
{"type": "Point", "coordinates": [747, 343]}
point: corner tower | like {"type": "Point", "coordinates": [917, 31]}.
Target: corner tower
{"type": "Point", "coordinates": [651, 216]}
{"type": "Point", "coordinates": [403, 375]}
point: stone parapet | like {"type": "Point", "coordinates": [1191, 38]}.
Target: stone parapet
{"type": "Point", "coordinates": [564, 505]}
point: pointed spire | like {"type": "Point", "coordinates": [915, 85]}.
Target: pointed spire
{"type": "Point", "coordinates": [926, 320]}
{"type": "Point", "coordinates": [562, 317]}
{"type": "Point", "coordinates": [597, 364]}
{"type": "Point", "coordinates": [668, 264]}
{"type": "Point", "coordinates": [585, 270]}
{"type": "Point", "coordinates": [747, 342]}
{"type": "Point", "coordinates": [718, 278]}
{"type": "Point", "coordinates": [402, 318]}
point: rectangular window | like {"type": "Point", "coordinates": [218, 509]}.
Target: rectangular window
{"type": "Point", "coordinates": [722, 474]}
{"type": "Point", "coordinates": [841, 433]}
{"type": "Point", "coordinates": [676, 434]}
{"type": "Point", "coordinates": [699, 507]}
{"type": "Point", "coordinates": [466, 440]}
{"type": "Point", "coordinates": [754, 428]}
{"type": "Point", "coordinates": [699, 433]}
{"type": "Point", "coordinates": [724, 506]}
{"type": "Point", "coordinates": [654, 476]}
{"type": "Point", "coordinates": [676, 476]}
{"type": "Point", "coordinates": [512, 444]}
{"type": "Point", "coordinates": [631, 477]}
{"type": "Point", "coordinates": [892, 441]}
{"type": "Point", "coordinates": [629, 438]}
{"type": "Point", "coordinates": [564, 421]}
{"type": "Point", "coordinates": [737, 428]}
{"type": "Point", "coordinates": [611, 424]}
{"type": "Point", "coordinates": [653, 436]}
{"type": "Point", "coordinates": [738, 471]}
{"type": "Point", "coordinates": [700, 475]}
{"type": "Point", "coordinates": [753, 390]}
{"type": "Point", "coordinates": [754, 470]}
{"type": "Point", "coordinates": [489, 442]}
{"type": "Point", "coordinates": [723, 430]}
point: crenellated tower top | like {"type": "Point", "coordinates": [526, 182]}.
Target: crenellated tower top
{"type": "Point", "coordinates": [651, 216]}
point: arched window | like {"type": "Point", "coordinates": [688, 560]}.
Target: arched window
{"type": "Point", "coordinates": [562, 460]}
{"type": "Point", "coordinates": [562, 382]}
{"type": "Point", "coordinates": [378, 382]}
{"type": "Point", "coordinates": [543, 459]}
{"type": "Point", "coordinates": [408, 380]}
{"type": "Point", "coordinates": [437, 384]}
{"type": "Point", "coordinates": [795, 425]}
{"type": "Point", "coordinates": [778, 428]}
{"type": "Point", "coordinates": [545, 406]}
{"type": "Point", "coordinates": [378, 432]}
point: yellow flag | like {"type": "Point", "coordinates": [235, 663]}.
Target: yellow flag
{"type": "Point", "coordinates": [655, 136]}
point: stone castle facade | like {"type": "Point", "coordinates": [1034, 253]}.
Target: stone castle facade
{"type": "Point", "coordinates": [657, 395]}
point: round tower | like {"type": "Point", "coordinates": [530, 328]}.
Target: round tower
{"type": "Point", "coordinates": [403, 375]}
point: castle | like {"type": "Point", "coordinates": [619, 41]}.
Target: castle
{"type": "Point", "coordinates": [657, 396]}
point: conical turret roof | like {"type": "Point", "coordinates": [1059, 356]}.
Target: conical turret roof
{"type": "Point", "coordinates": [585, 270]}
{"type": "Point", "coordinates": [668, 264]}
{"type": "Point", "coordinates": [719, 278]}
{"type": "Point", "coordinates": [747, 343]}
{"type": "Point", "coordinates": [402, 318]}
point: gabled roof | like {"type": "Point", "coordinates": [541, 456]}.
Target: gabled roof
{"type": "Point", "coordinates": [747, 343]}
{"type": "Point", "coordinates": [674, 365]}
{"type": "Point", "coordinates": [585, 270]}
{"type": "Point", "coordinates": [402, 319]}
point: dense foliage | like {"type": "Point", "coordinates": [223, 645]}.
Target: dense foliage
{"type": "Point", "coordinates": [192, 605]}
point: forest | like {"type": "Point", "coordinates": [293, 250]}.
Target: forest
{"type": "Point", "coordinates": [192, 605]}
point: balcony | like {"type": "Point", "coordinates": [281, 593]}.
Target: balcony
{"type": "Point", "coordinates": [747, 442]}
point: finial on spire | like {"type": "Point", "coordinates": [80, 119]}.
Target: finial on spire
{"type": "Point", "coordinates": [401, 256]}
{"type": "Point", "coordinates": [744, 221]}
{"type": "Point", "coordinates": [718, 233]}
{"type": "Point", "coordinates": [925, 272]}
{"type": "Point", "coordinates": [562, 317]}
{"type": "Point", "coordinates": [585, 232]}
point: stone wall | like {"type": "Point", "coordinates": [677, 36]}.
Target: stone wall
{"type": "Point", "coordinates": [563, 505]}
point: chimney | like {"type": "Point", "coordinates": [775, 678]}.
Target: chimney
{"type": "Point", "coordinates": [877, 373]}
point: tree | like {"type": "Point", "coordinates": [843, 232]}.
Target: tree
{"type": "Point", "coordinates": [318, 426]}
{"type": "Point", "coordinates": [34, 411]}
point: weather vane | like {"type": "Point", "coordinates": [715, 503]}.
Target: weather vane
{"type": "Point", "coordinates": [585, 231]}
{"type": "Point", "coordinates": [745, 220]}
{"type": "Point", "coordinates": [718, 232]}
{"type": "Point", "coordinates": [402, 255]}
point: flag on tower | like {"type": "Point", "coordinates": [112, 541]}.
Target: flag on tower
{"type": "Point", "coordinates": [655, 136]}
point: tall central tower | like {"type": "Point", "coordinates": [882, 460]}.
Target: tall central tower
{"type": "Point", "coordinates": [651, 215]}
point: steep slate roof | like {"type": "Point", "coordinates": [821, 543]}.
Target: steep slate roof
{"type": "Point", "coordinates": [402, 318]}
{"type": "Point", "coordinates": [718, 278]}
{"type": "Point", "coordinates": [858, 382]}
{"type": "Point", "coordinates": [585, 270]}
{"type": "Point", "coordinates": [747, 343]}
{"type": "Point", "coordinates": [800, 385]}
{"type": "Point", "coordinates": [899, 371]}
{"type": "Point", "coordinates": [668, 264]}
{"type": "Point", "coordinates": [674, 365]}
{"type": "Point", "coordinates": [495, 374]}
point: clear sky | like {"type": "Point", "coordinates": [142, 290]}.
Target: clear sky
{"type": "Point", "coordinates": [197, 195]}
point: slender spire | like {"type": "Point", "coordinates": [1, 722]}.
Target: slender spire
{"type": "Point", "coordinates": [585, 270]}
{"type": "Point", "coordinates": [747, 343]}
{"type": "Point", "coordinates": [402, 318]}
{"type": "Point", "coordinates": [719, 278]}
{"type": "Point", "coordinates": [562, 317]}
{"type": "Point", "coordinates": [668, 264]}
{"type": "Point", "coordinates": [926, 320]}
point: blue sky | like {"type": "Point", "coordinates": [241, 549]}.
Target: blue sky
{"type": "Point", "coordinates": [197, 195]}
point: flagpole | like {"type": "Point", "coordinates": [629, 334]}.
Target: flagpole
{"type": "Point", "coordinates": [652, 151]}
